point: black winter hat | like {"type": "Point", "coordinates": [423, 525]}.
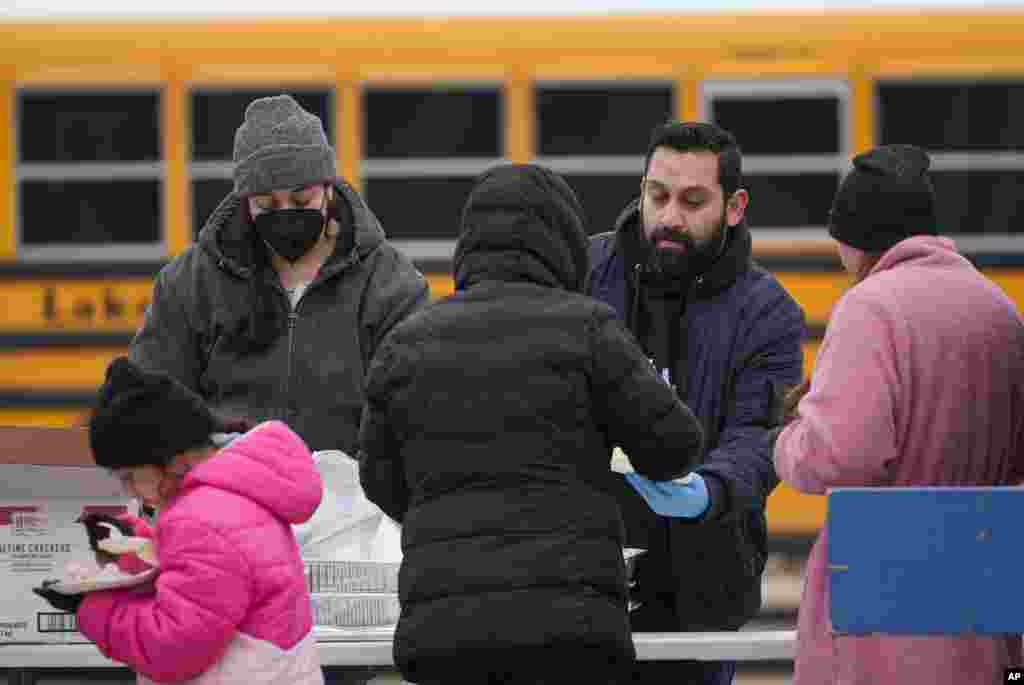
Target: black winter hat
{"type": "Point", "coordinates": [146, 418]}
{"type": "Point", "coordinates": [886, 198]}
{"type": "Point", "coordinates": [522, 213]}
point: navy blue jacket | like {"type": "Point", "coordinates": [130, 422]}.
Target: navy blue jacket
{"type": "Point", "coordinates": [742, 333]}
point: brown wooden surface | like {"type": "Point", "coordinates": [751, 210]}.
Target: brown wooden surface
{"type": "Point", "coordinates": [45, 446]}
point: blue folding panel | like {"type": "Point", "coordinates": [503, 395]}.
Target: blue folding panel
{"type": "Point", "coordinates": [937, 560]}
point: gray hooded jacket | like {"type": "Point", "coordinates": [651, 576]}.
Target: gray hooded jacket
{"type": "Point", "coordinates": [309, 370]}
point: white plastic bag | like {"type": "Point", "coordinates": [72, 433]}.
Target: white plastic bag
{"type": "Point", "coordinates": [347, 526]}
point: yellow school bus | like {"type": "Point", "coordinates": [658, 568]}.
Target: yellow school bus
{"type": "Point", "coordinates": [120, 137]}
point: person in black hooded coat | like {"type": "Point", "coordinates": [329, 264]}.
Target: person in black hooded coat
{"type": "Point", "coordinates": [486, 420]}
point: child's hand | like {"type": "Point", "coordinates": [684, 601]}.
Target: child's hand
{"type": "Point", "coordinates": [97, 530]}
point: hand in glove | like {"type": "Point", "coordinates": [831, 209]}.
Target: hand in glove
{"type": "Point", "coordinates": [58, 601]}
{"type": "Point", "coordinates": [681, 498]}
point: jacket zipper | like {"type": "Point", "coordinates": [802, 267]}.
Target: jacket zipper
{"type": "Point", "coordinates": [633, 312]}
{"type": "Point", "coordinates": [293, 317]}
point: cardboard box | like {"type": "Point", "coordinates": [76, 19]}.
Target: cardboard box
{"type": "Point", "coordinates": [47, 480]}
{"type": "Point", "coordinates": [354, 610]}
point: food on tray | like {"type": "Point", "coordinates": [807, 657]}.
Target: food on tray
{"type": "Point", "coordinates": [119, 544]}
{"type": "Point", "coordinates": [88, 576]}
{"type": "Point", "coordinates": [77, 571]}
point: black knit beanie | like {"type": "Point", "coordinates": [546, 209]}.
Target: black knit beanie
{"type": "Point", "coordinates": [146, 418]}
{"type": "Point", "coordinates": [886, 198]}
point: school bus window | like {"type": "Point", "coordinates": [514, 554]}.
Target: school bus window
{"type": "Point", "coordinates": [977, 201]}
{"type": "Point", "coordinates": [794, 142]}
{"type": "Point", "coordinates": [952, 116]}
{"type": "Point", "coordinates": [419, 208]}
{"type": "Point", "coordinates": [584, 118]}
{"type": "Point", "coordinates": [605, 196]}
{"type": "Point", "coordinates": [423, 147]}
{"type": "Point", "coordinates": [217, 113]}
{"type": "Point", "coordinates": [92, 212]}
{"type": "Point", "coordinates": [789, 201]}
{"type": "Point", "coordinates": [206, 195]}
{"type": "Point", "coordinates": [56, 127]}
{"type": "Point", "coordinates": [457, 121]}
{"type": "Point", "coordinates": [89, 173]}
{"type": "Point", "coordinates": [781, 125]}
{"type": "Point", "coordinates": [974, 131]}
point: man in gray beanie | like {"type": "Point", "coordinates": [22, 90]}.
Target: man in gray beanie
{"type": "Point", "coordinates": [279, 306]}
{"type": "Point", "coordinates": [281, 147]}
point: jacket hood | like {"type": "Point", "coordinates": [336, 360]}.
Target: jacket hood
{"type": "Point", "coordinates": [270, 465]}
{"type": "Point", "coordinates": [929, 249]}
{"type": "Point", "coordinates": [734, 260]}
{"type": "Point", "coordinates": [522, 222]}
{"type": "Point", "coordinates": [233, 244]}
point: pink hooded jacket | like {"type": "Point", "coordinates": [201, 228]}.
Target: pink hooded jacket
{"type": "Point", "coordinates": [919, 381]}
{"type": "Point", "coordinates": [230, 603]}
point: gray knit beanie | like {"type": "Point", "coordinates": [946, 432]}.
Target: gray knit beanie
{"type": "Point", "coordinates": [280, 146]}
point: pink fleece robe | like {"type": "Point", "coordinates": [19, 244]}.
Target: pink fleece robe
{"type": "Point", "coordinates": [230, 602]}
{"type": "Point", "coordinates": [919, 381]}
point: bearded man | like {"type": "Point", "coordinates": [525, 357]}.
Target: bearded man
{"type": "Point", "coordinates": [727, 336]}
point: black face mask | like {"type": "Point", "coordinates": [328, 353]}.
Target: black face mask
{"type": "Point", "coordinates": [290, 233]}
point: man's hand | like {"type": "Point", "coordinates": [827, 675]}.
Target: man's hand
{"type": "Point", "coordinates": [58, 601]}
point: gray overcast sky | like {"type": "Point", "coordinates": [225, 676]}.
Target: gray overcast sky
{"type": "Point", "coordinates": [208, 8]}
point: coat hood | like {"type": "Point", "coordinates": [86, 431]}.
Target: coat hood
{"type": "Point", "coordinates": [232, 242]}
{"type": "Point", "coordinates": [924, 249]}
{"type": "Point", "coordinates": [270, 465]}
{"type": "Point", "coordinates": [522, 222]}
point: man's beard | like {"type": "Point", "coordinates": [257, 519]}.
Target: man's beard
{"type": "Point", "coordinates": [667, 263]}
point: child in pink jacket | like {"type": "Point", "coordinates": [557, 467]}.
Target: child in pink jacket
{"type": "Point", "coordinates": [919, 381]}
{"type": "Point", "coordinates": [229, 604]}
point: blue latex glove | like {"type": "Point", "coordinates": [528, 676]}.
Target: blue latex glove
{"type": "Point", "coordinates": [681, 498]}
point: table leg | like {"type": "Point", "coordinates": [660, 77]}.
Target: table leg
{"type": "Point", "coordinates": [21, 676]}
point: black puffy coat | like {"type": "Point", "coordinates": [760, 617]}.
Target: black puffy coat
{"type": "Point", "coordinates": [490, 420]}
